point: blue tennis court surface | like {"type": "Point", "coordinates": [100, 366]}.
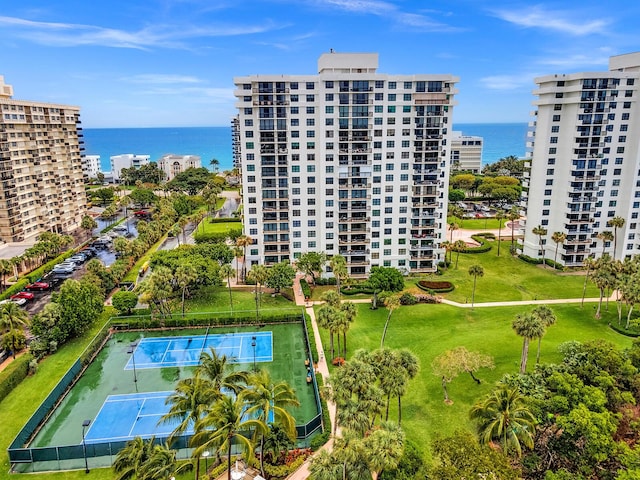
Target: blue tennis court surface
{"type": "Point", "coordinates": [160, 352]}
{"type": "Point", "coordinates": [123, 417]}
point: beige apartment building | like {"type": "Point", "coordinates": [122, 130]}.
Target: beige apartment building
{"type": "Point", "coordinates": [41, 177]}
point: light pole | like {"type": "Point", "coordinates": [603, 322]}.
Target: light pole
{"type": "Point", "coordinates": [132, 351]}
{"type": "Point", "coordinates": [206, 454]}
{"type": "Point", "coordinates": [85, 424]}
{"type": "Point", "coordinates": [253, 344]}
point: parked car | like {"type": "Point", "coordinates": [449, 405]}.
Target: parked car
{"type": "Point", "coordinates": [60, 268]}
{"type": "Point", "coordinates": [25, 295]}
{"type": "Point", "coordinates": [17, 301]}
{"type": "Point", "coordinates": [120, 228]}
{"type": "Point", "coordinates": [37, 286]}
{"type": "Point", "coordinates": [78, 258]}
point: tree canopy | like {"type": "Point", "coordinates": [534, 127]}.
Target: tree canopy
{"type": "Point", "coordinates": [191, 181]}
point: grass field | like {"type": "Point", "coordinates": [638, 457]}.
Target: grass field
{"type": "Point", "coordinates": [428, 330]}
{"type": "Point", "coordinates": [206, 226]}
{"type": "Point", "coordinates": [507, 278]}
{"type": "Point", "coordinates": [216, 299]}
{"type": "Point", "coordinates": [488, 223]}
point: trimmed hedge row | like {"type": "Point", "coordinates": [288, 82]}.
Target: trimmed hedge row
{"type": "Point", "coordinates": [215, 237]}
{"type": "Point", "coordinates": [15, 372]}
{"type": "Point", "coordinates": [306, 289]}
{"type": "Point", "coordinates": [145, 322]}
{"type": "Point", "coordinates": [356, 290]}
{"type": "Point", "coordinates": [94, 346]}
{"type": "Point", "coordinates": [481, 238]}
{"type": "Point", "coordinates": [538, 261]}
{"type": "Point", "coordinates": [224, 220]}
{"type": "Point", "coordinates": [435, 287]}
{"type": "Point", "coordinates": [623, 331]}
{"type": "Point", "coordinates": [312, 338]}
{"type": "Point", "coordinates": [326, 281]}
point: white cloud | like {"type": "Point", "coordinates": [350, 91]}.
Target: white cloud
{"type": "Point", "coordinates": [161, 79]}
{"type": "Point", "coordinates": [508, 82]}
{"type": "Point", "coordinates": [567, 22]}
{"type": "Point", "coordinates": [166, 36]}
{"type": "Point", "coordinates": [575, 61]}
{"type": "Point", "coordinates": [373, 7]}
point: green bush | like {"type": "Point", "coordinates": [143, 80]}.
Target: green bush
{"type": "Point", "coordinates": [217, 237]}
{"type": "Point", "coordinates": [633, 333]}
{"type": "Point", "coordinates": [481, 238]}
{"type": "Point", "coordinates": [306, 289]}
{"type": "Point", "coordinates": [15, 372]}
{"type": "Point", "coordinates": [283, 471]}
{"type": "Point", "coordinates": [435, 287]}
{"type": "Point", "coordinates": [528, 259]}
{"type": "Point", "coordinates": [312, 338]}
{"type": "Point", "coordinates": [326, 281]}
{"type": "Point", "coordinates": [223, 220]}
{"type": "Point", "coordinates": [15, 288]}
{"type": "Point", "coordinates": [356, 289]}
{"type": "Point", "coordinates": [408, 299]}
{"type": "Point", "coordinates": [320, 439]}
{"type": "Point", "coordinates": [94, 346]}
{"type": "Point", "coordinates": [554, 265]}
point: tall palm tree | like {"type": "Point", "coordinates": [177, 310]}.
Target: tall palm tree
{"type": "Point", "coordinates": [266, 398]}
{"type": "Point", "coordinates": [217, 369]}
{"type": "Point", "coordinates": [226, 271]}
{"type": "Point", "coordinates": [503, 415]}
{"type": "Point", "coordinates": [12, 317]}
{"type": "Point", "coordinates": [161, 464]}
{"type": "Point", "coordinates": [189, 402]}
{"type": "Point", "coordinates": [500, 216]}
{"type": "Point", "coordinates": [512, 216]}
{"type": "Point", "coordinates": [590, 263]}
{"type": "Point", "coordinates": [459, 246]}
{"type": "Point", "coordinates": [259, 275]}
{"type": "Point", "coordinates": [238, 253]}
{"type": "Point", "coordinates": [615, 222]}
{"type": "Point", "coordinates": [448, 247]}
{"type": "Point", "coordinates": [528, 327]}
{"type": "Point", "coordinates": [349, 310]}
{"type": "Point", "coordinates": [408, 361]}
{"type": "Point", "coordinates": [184, 276]}
{"type": "Point", "coordinates": [384, 448]}
{"type": "Point", "coordinates": [338, 266]}
{"type": "Point", "coordinates": [546, 316]}
{"type": "Point", "coordinates": [452, 227]}
{"type": "Point", "coordinates": [132, 457]}
{"type": "Point", "coordinates": [541, 232]}
{"type": "Point", "coordinates": [325, 466]}
{"type": "Point", "coordinates": [558, 238]}
{"type": "Point", "coordinates": [475, 271]}
{"type": "Point", "coordinates": [244, 241]}
{"type": "Point", "coordinates": [392, 302]}
{"type": "Point", "coordinates": [223, 425]}
{"type": "Point", "coordinates": [605, 236]}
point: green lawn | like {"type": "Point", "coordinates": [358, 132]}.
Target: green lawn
{"type": "Point", "coordinates": [206, 226]}
{"type": "Point", "coordinates": [479, 223]}
{"type": "Point", "coordinates": [429, 330]}
{"type": "Point", "coordinates": [216, 299]}
{"type": "Point", "coordinates": [507, 278]}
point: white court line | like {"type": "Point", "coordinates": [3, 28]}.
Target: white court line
{"type": "Point", "coordinates": [166, 350]}
{"type": "Point", "coordinates": [137, 416]}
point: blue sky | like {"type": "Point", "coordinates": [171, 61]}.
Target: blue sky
{"type": "Point", "coordinates": [145, 63]}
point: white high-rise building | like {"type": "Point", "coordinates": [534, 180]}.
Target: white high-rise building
{"type": "Point", "coordinates": [349, 161]}
{"type": "Point", "coordinates": [466, 152]}
{"type": "Point", "coordinates": [585, 161]}
{"type": "Point", "coordinates": [126, 160]}
{"type": "Point", "coordinates": [91, 165]}
{"type": "Point", "coordinates": [172, 164]}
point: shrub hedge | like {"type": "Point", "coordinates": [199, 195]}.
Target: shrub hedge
{"type": "Point", "coordinates": [481, 238]}
{"type": "Point", "coordinates": [306, 289]}
{"type": "Point", "coordinates": [528, 259]}
{"type": "Point", "coordinates": [435, 287]}
{"type": "Point", "coordinates": [321, 438]}
{"type": "Point", "coordinates": [15, 372]}
{"type": "Point", "coordinates": [623, 331]}
{"type": "Point", "coordinates": [326, 281]}
{"type": "Point", "coordinates": [312, 338]}
{"type": "Point", "coordinates": [202, 321]}
{"type": "Point", "coordinates": [356, 289]}
{"type": "Point", "coordinates": [224, 220]}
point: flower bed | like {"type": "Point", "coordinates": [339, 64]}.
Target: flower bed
{"type": "Point", "coordinates": [435, 287]}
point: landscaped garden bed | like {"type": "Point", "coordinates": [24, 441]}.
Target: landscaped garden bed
{"type": "Point", "coordinates": [435, 286]}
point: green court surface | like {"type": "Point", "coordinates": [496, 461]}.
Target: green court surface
{"type": "Point", "coordinates": [111, 374]}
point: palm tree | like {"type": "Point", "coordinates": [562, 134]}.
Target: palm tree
{"type": "Point", "coordinates": [606, 236]}
{"type": "Point", "coordinates": [5, 269]}
{"type": "Point", "coordinates": [452, 227]}
{"type": "Point", "coordinates": [259, 275]}
{"type": "Point", "coordinates": [161, 464]}
{"type": "Point", "coordinates": [384, 448]}
{"type": "Point", "coordinates": [512, 216]}
{"type": "Point", "coordinates": [500, 216]}
{"type": "Point", "coordinates": [238, 253]}
{"type": "Point", "coordinates": [459, 246]}
{"type": "Point", "coordinates": [546, 316]}
{"type": "Point", "coordinates": [503, 415]}
{"type": "Point", "coordinates": [558, 238]}
{"type": "Point", "coordinates": [448, 246]}
{"type": "Point", "coordinates": [349, 311]}
{"type": "Point", "coordinates": [244, 241]}
{"type": "Point", "coordinates": [226, 271]}
{"type": "Point", "coordinates": [225, 423]}
{"type": "Point", "coordinates": [615, 222]}
{"type": "Point", "coordinates": [132, 457]}
{"type": "Point", "coordinates": [528, 327]}
{"type": "Point", "coordinates": [590, 263]}
{"type": "Point", "coordinates": [338, 266]}
{"type": "Point", "coordinates": [392, 302]}
{"type": "Point", "coordinates": [217, 369]}
{"type": "Point", "coordinates": [325, 466]}
{"type": "Point", "coordinates": [189, 402]}
{"type": "Point", "coordinates": [541, 232]}
{"type": "Point", "coordinates": [12, 317]}
{"type": "Point", "coordinates": [215, 164]}
{"type": "Point", "coordinates": [408, 362]}
{"type": "Point", "coordinates": [266, 398]}
{"type": "Point", "coordinates": [185, 275]}
{"type": "Point", "coordinates": [475, 271]}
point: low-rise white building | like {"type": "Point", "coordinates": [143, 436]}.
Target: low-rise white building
{"type": "Point", "coordinates": [172, 164]}
{"type": "Point", "coordinates": [126, 160]}
{"type": "Point", "coordinates": [91, 165]}
{"type": "Point", "coordinates": [466, 152]}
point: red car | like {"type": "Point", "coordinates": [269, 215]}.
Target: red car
{"type": "Point", "coordinates": [25, 295]}
{"type": "Point", "coordinates": [37, 286]}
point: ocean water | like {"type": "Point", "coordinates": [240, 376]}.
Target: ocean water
{"type": "Point", "coordinates": [500, 140]}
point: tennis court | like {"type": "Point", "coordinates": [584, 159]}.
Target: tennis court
{"type": "Point", "coordinates": [123, 417]}
{"type": "Point", "coordinates": [184, 351]}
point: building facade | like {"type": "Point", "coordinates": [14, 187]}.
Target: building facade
{"type": "Point", "coordinates": [172, 164]}
{"type": "Point", "coordinates": [41, 177]}
{"type": "Point", "coordinates": [584, 154]}
{"type": "Point", "coordinates": [126, 160]}
{"type": "Point", "coordinates": [349, 161]}
{"type": "Point", "coordinates": [466, 152]}
{"type": "Point", "coordinates": [91, 165]}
